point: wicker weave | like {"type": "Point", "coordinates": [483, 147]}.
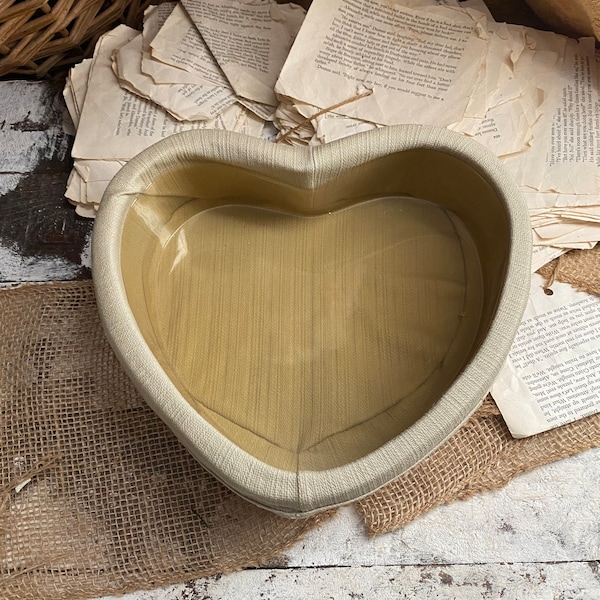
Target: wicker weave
{"type": "Point", "coordinates": [37, 36]}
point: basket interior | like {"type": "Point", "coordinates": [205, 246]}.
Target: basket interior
{"type": "Point", "coordinates": [312, 326]}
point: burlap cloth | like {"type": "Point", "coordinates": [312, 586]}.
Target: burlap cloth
{"type": "Point", "coordinates": [97, 497]}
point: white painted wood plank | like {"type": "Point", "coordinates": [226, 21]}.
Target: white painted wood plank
{"type": "Point", "coordinates": [549, 514]}
{"type": "Point", "coordinates": [32, 125]}
{"type": "Point", "coordinates": [14, 267]}
{"type": "Point", "coordinates": [528, 581]}
{"type": "Point", "coordinates": [546, 523]}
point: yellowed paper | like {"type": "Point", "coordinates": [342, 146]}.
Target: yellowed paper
{"type": "Point", "coordinates": [568, 234]}
{"type": "Point", "coordinates": [588, 214]}
{"type": "Point", "coordinates": [178, 44]}
{"type": "Point", "coordinates": [295, 128]}
{"type": "Point", "coordinates": [116, 124]}
{"type": "Point", "coordinates": [185, 101]}
{"type": "Point", "coordinates": [155, 18]}
{"type": "Point", "coordinates": [537, 200]}
{"type": "Point", "coordinates": [265, 111]}
{"type": "Point", "coordinates": [421, 64]}
{"type": "Point", "coordinates": [564, 153]}
{"type": "Point", "coordinates": [249, 124]}
{"type": "Point", "coordinates": [550, 376]}
{"type": "Point", "coordinates": [329, 126]}
{"type": "Point", "coordinates": [79, 76]}
{"type": "Point", "coordinates": [76, 89]}
{"type": "Point", "coordinates": [71, 107]}
{"type": "Point", "coordinates": [87, 182]}
{"type": "Point", "coordinates": [479, 5]}
{"type": "Point", "coordinates": [512, 101]}
{"type": "Point", "coordinates": [249, 41]}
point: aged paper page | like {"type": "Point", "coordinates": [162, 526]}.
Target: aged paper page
{"type": "Point", "coordinates": [567, 234]}
{"type": "Point", "coordinates": [294, 128]}
{"type": "Point", "coordinates": [563, 155]}
{"type": "Point", "coordinates": [265, 111]}
{"type": "Point", "coordinates": [116, 124]}
{"type": "Point", "coordinates": [87, 183]}
{"type": "Point", "coordinates": [420, 65]}
{"type": "Point", "coordinates": [70, 103]}
{"type": "Point", "coordinates": [179, 44]}
{"type": "Point", "coordinates": [542, 255]}
{"type": "Point", "coordinates": [249, 124]}
{"type": "Point", "coordinates": [76, 89]}
{"type": "Point", "coordinates": [550, 377]}
{"type": "Point", "coordinates": [249, 41]}
{"type": "Point", "coordinates": [154, 19]}
{"type": "Point", "coordinates": [329, 126]}
{"type": "Point", "coordinates": [185, 101]}
{"type": "Point", "coordinates": [512, 102]}
{"type": "Point", "coordinates": [551, 200]}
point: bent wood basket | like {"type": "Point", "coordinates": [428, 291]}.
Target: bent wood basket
{"type": "Point", "coordinates": [312, 322]}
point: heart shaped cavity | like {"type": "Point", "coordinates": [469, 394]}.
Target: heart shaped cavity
{"type": "Point", "coordinates": [311, 325]}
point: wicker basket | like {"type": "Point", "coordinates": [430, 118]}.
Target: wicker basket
{"type": "Point", "coordinates": [37, 36]}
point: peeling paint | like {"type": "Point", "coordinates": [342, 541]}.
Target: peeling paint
{"type": "Point", "coordinates": [9, 182]}
{"type": "Point", "coordinates": [446, 578]}
{"type": "Point", "coordinates": [30, 110]}
{"type": "Point", "coordinates": [86, 253]}
{"type": "Point", "coordinates": [14, 267]}
{"type": "Point", "coordinates": [463, 582]}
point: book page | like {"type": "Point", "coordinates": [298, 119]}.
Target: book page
{"type": "Point", "coordinates": [330, 126]}
{"type": "Point", "coordinates": [511, 100]}
{"type": "Point", "coordinates": [155, 17]}
{"type": "Point", "coordinates": [185, 101]}
{"type": "Point", "coordinates": [264, 111]}
{"type": "Point", "coordinates": [71, 106]}
{"type": "Point", "coordinates": [294, 128]}
{"type": "Point", "coordinates": [542, 255]}
{"type": "Point", "coordinates": [419, 64]}
{"type": "Point", "coordinates": [179, 44]}
{"type": "Point", "coordinates": [564, 153]}
{"type": "Point", "coordinates": [249, 41]}
{"type": "Point", "coordinates": [552, 200]}
{"type": "Point", "coordinates": [568, 234]}
{"type": "Point", "coordinates": [116, 124]}
{"type": "Point", "coordinates": [76, 89]}
{"type": "Point", "coordinates": [550, 376]}
{"type": "Point", "coordinates": [87, 182]}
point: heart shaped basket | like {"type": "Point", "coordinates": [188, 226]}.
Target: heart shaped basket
{"type": "Point", "coordinates": [312, 322]}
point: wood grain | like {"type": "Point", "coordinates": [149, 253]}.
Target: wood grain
{"type": "Point", "coordinates": [37, 223]}
{"type": "Point", "coordinates": [41, 237]}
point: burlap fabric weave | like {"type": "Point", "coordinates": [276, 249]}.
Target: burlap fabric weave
{"type": "Point", "coordinates": [97, 497]}
{"type": "Point", "coordinates": [112, 501]}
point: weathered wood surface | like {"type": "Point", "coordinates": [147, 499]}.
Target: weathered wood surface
{"type": "Point", "coordinates": [536, 539]}
{"type": "Point", "coordinates": [528, 581]}
{"type": "Point", "coordinates": [41, 237]}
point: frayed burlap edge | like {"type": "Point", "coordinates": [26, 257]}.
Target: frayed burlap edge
{"type": "Point", "coordinates": [97, 497]}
